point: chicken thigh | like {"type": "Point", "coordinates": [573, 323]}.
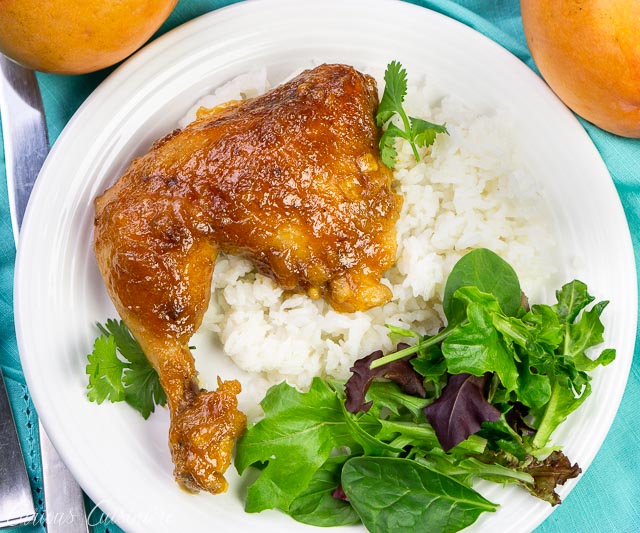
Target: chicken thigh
{"type": "Point", "coordinates": [291, 179]}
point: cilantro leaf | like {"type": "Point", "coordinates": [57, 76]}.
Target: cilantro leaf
{"type": "Point", "coordinates": [105, 372]}
{"type": "Point", "coordinates": [395, 89]}
{"type": "Point", "coordinates": [388, 151]}
{"type": "Point", "coordinates": [424, 132]}
{"type": "Point", "coordinates": [418, 132]}
{"type": "Point", "coordinates": [129, 378]}
{"type": "Point", "coordinates": [142, 389]}
{"type": "Point", "coordinates": [125, 342]}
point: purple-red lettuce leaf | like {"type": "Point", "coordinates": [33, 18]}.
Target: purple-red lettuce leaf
{"type": "Point", "coordinates": [543, 476]}
{"type": "Point", "coordinates": [400, 372]}
{"type": "Point", "coordinates": [549, 473]}
{"type": "Point", "coordinates": [461, 410]}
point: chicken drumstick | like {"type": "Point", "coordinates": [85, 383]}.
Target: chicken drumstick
{"type": "Point", "coordinates": [291, 179]}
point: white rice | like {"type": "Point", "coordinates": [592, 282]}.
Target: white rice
{"type": "Point", "coordinates": [470, 190]}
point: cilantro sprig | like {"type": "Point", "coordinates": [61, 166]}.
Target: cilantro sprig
{"type": "Point", "coordinates": [420, 133]}
{"type": "Point", "coordinates": [119, 371]}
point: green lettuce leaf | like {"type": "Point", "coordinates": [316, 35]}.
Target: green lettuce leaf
{"type": "Point", "coordinates": [292, 442]}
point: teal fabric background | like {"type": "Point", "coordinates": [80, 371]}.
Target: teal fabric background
{"type": "Point", "coordinates": [607, 497]}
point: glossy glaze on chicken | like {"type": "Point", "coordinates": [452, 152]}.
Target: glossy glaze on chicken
{"type": "Point", "coordinates": [292, 180]}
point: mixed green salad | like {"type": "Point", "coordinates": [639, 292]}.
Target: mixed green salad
{"type": "Point", "coordinates": [399, 445]}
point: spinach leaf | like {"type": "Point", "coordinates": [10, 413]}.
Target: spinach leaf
{"type": "Point", "coordinates": [392, 494]}
{"type": "Point", "coordinates": [400, 443]}
{"type": "Point", "coordinates": [317, 506]}
{"type": "Point", "coordinates": [488, 272]}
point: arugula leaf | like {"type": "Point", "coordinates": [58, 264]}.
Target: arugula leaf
{"type": "Point", "coordinates": [364, 430]}
{"type": "Point", "coordinates": [572, 298]}
{"type": "Point", "coordinates": [570, 386]}
{"type": "Point", "coordinates": [403, 433]}
{"type": "Point", "coordinates": [413, 496]}
{"type": "Point", "coordinates": [388, 395]}
{"type": "Point", "coordinates": [418, 132]}
{"type": "Point", "coordinates": [534, 389]}
{"type": "Point", "coordinates": [561, 404]}
{"type": "Point", "coordinates": [133, 380]}
{"type": "Point", "coordinates": [584, 334]}
{"type": "Point", "coordinates": [469, 469]}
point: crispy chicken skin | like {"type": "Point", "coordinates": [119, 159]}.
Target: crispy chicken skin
{"type": "Point", "coordinates": [292, 180]}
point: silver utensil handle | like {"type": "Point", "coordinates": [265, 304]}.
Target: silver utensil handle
{"type": "Point", "coordinates": [64, 503]}
{"type": "Point", "coordinates": [26, 147]}
{"type": "Point", "coordinates": [26, 141]}
{"type": "Point", "coordinates": [16, 504]}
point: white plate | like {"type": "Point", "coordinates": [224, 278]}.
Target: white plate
{"type": "Point", "coordinates": [121, 461]}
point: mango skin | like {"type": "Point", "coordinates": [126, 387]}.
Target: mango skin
{"type": "Point", "coordinates": [77, 36]}
{"type": "Point", "coordinates": [588, 52]}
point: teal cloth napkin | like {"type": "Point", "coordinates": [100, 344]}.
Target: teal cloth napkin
{"type": "Point", "coordinates": [607, 497]}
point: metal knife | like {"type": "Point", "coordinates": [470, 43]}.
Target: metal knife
{"type": "Point", "coordinates": [26, 147]}
{"type": "Point", "coordinates": [16, 504]}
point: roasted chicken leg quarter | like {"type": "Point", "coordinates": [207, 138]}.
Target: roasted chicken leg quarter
{"type": "Point", "coordinates": [292, 180]}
